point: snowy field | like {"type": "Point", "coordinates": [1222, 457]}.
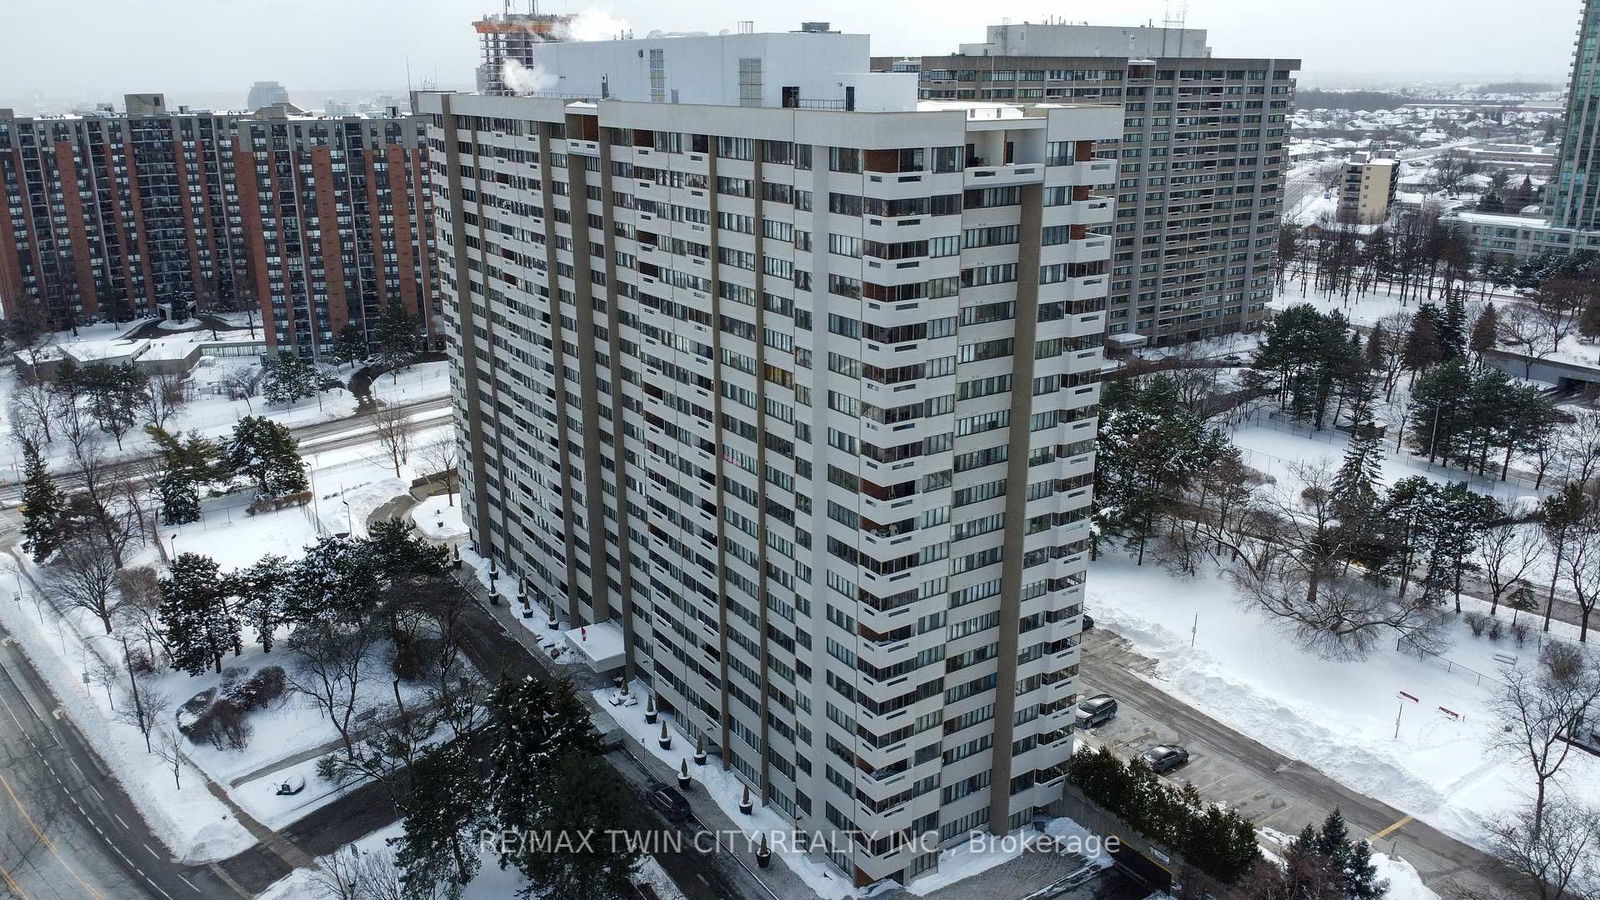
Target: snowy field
{"type": "Point", "coordinates": [1336, 716]}
{"type": "Point", "coordinates": [1277, 447]}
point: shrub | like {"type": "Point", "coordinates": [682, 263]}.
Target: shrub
{"type": "Point", "coordinates": [1477, 622]}
{"type": "Point", "coordinates": [258, 691]}
{"type": "Point", "coordinates": [1218, 841]}
{"type": "Point", "coordinates": [1497, 630]}
{"type": "Point", "coordinates": [1519, 632]}
{"type": "Point", "coordinates": [222, 725]}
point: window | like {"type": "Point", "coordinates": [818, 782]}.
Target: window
{"type": "Point", "coordinates": [844, 159]}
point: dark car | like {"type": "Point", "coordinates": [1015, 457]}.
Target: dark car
{"type": "Point", "coordinates": [1088, 622]}
{"type": "Point", "coordinates": [669, 803]}
{"type": "Point", "coordinates": [1097, 710]}
{"type": "Point", "coordinates": [1164, 757]}
{"type": "Point", "coordinates": [1233, 358]}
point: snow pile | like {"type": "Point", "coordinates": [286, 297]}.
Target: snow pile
{"type": "Point", "coordinates": [1404, 882]}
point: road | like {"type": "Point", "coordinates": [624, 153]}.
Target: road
{"type": "Point", "coordinates": [1271, 789]}
{"type": "Point", "coordinates": [314, 438]}
{"type": "Point", "coordinates": [80, 833]}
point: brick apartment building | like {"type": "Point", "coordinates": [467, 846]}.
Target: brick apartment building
{"type": "Point", "coordinates": [316, 221]}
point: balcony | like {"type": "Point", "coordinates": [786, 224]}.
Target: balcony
{"type": "Point", "coordinates": [978, 175]}
{"type": "Point", "coordinates": [1087, 173]}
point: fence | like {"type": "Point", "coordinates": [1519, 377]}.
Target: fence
{"type": "Point", "coordinates": [1405, 645]}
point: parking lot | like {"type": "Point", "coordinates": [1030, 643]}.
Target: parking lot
{"type": "Point", "coordinates": [1223, 774]}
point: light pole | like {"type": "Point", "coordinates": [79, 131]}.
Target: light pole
{"type": "Point", "coordinates": [174, 545]}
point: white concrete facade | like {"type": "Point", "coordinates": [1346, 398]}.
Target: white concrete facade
{"type": "Point", "coordinates": [805, 402]}
{"type": "Point", "coordinates": [826, 70]}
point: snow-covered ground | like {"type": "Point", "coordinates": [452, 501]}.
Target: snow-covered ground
{"type": "Point", "coordinates": [439, 519]}
{"type": "Point", "coordinates": [1336, 716]}
{"type": "Point", "coordinates": [491, 883]}
{"type": "Point", "coordinates": [1277, 447]}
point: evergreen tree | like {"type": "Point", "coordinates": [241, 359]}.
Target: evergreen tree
{"type": "Point", "coordinates": [350, 345]}
{"type": "Point", "coordinates": [1424, 342]}
{"type": "Point", "coordinates": [288, 379]}
{"type": "Point", "coordinates": [585, 796]}
{"type": "Point", "coordinates": [337, 583]}
{"type": "Point", "coordinates": [184, 466]}
{"type": "Point", "coordinates": [544, 777]}
{"type": "Point", "coordinates": [1440, 405]}
{"type": "Point", "coordinates": [1151, 449]}
{"type": "Point", "coordinates": [1485, 331]}
{"type": "Point", "coordinates": [397, 338]}
{"type": "Point", "coordinates": [115, 395]}
{"type": "Point", "coordinates": [260, 592]}
{"type": "Point", "coordinates": [1303, 359]}
{"type": "Point", "coordinates": [194, 614]}
{"type": "Point", "coordinates": [268, 454]}
{"type": "Point", "coordinates": [43, 505]}
{"type": "Point", "coordinates": [1453, 330]}
{"type": "Point", "coordinates": [1354, 493]}
{"type": "Point", "coordinates": [1349, 859]}
{"type": "Point", "coordinates": [1308, 874]}
{"type": "Point", "coordinates": [445, 806]}
{"type": "Point", "coordinates": [399, 550]}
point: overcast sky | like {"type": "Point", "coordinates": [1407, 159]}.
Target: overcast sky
{"type": "Point", "coordinates": [83, 49]}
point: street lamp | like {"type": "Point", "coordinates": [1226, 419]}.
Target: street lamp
{"type": "Point", "coordinates": [174, 545]}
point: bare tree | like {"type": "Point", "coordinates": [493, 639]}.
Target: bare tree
{"type": "Point", "coordinates": [99, 489]}
{"type": "Point", "coordinates": [351, 873]}
{"type": "Point", "coordinates": [442, 456]}
{"type": "Point", "coordinates": [1290, 567]}
{"type": "Point", "coordinates": [83, 576]}
{"type": "Point", "coordinates": [240, 384]}
{"type": "Point", "coordinates": [146, 709]}
{"type": "Point", "coordinates": [1537, 707]}
{"type": "Point", "coordinates": [330, 664]}
{"type": "Point", "coordinates": [1448, 173]}
{"type": "Point", "coordinates": [1578, 447]}
{"type": "Point", "coordinates": [167, 394]}
{"type": "Point", "coordinates": [1506, 552]}
{"type": "Point", "coordinates": [1522, 327]}
{"type": "Point", "coordinates": [1553, 856]}
{"type": "Point", "coordinates": [392, 427]}
{"type": "Point", "coordinates": [1557, 303]}
{"type": "Point", "coordinates": [138, 612]}
{"type": "Point", "coordinates": [1581, 565]}
{"type": "Point", "coordinates": [35, 407]}
{"type": "Point", "coordinates": [168, 748]}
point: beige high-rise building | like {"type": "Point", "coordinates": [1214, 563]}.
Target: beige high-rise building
{"type": "Point", "coordinates": [1367, 189]}
{"type": "Point", "coordinates": [1201, 160]}
{"type": "Point", "coordinates": [790, 388]}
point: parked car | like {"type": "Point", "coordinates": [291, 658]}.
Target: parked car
{"type": "Point", "coordinates": [291, 784]}
{"type": "Point", "coordinates": [1097, 710]}
{"type": "Point", "coordinates": [1088, 621]}
{"type": "Point", "coordinates": [1164, 757]}
{"type": "Point", "coordinates": [669, 803]}
{"type": "Point", "coordinates": [1233, 358]}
